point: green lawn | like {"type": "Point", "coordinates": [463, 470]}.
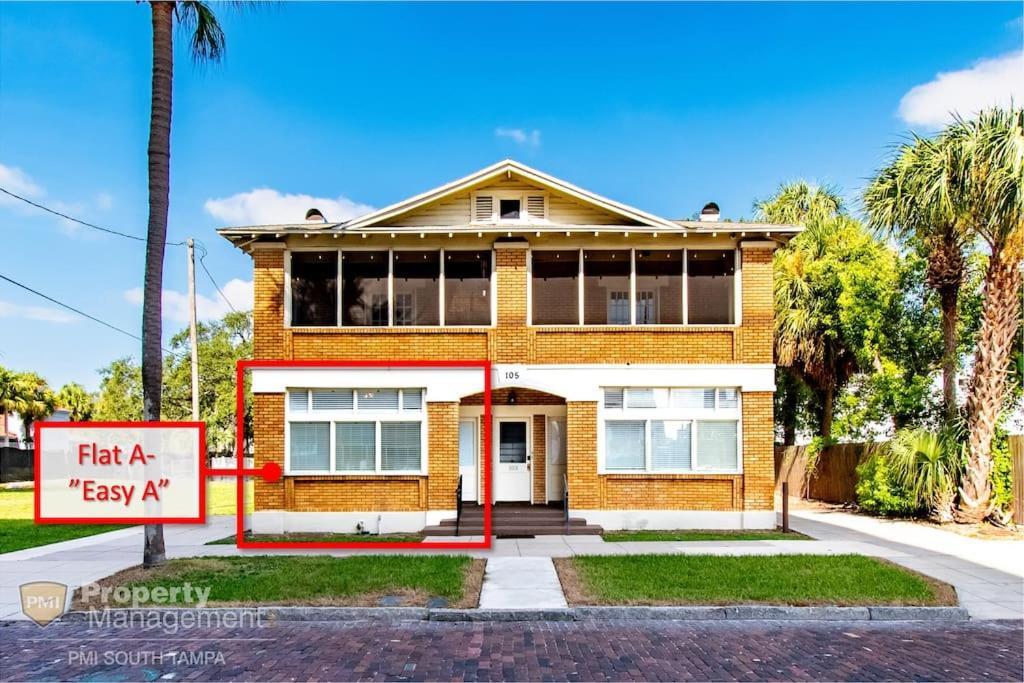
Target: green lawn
{"type": "Point", "coordinates": [704, 535]}
{"type": "Point", "coordinates": [329, 538]}
{"type": "Point", "coordinates": [315, 580]}
{"type": "Point", "coordinates": [18, 530]}
{"type": "Point", "coordinates": [724, 580]}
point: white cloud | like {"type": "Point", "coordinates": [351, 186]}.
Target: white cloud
{"type": "Point", "coordinates": [104, 201]}
{"type": "Point", "coordinates": [996, 81]}
{"type": "Point", "coordinates": [18, 182]}
{"type": "Point", "coordinates": [175, 304]}
{"type": "Point", "coordinates": [519, 136]}
{"type": "Point", "coordinates": [266, 206]}
{"type": "Point", "coordinates": [50, 315]}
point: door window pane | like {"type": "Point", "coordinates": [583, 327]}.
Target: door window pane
{"type": "Point", "coordinates": [716, 445]}
{"type": "Point", "coordinates": [314, 288]}
{"type": "Point", "coordinates": [467, 288]}
{"type": "Point", "coordinates": [555, 287]}
{"type": "Point", "coordinates": [355, 446]}
{"type": "Point", "coordinates": [670, 445]}
{"type": "Point", "coordinates": [417, 277]}
{"type": "Point", "coordinates": [624, 445]}
{"type": "Point", "coordinates": [364, 294]}
{"type": "Point", "coordinates": [399, 446]}
{"type": "Point", "coordinates": [310, 445]}
{"type": "Point", "coordinates": [659, 287]}
{"type": "Point", "coordinates": [512, 442]}
{"type": "Point", "coordinates": [467, 444]}
{"type": "Point", "coordinates": [606, 287]}
{"type": "Point", "coordinates": [710, 276]}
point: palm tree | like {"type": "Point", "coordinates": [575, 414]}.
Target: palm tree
{"type": "Point", "coordinates": [987, 161]}
{"type": "Point", "coordinates": [206, 43]}
{"type": "Point", "coordinates": [13, 392]}
{"type": "Point", "coordinates": [796, 203]}
{"type": "Point", "coordinates": [38, 402]}
{"type": "Point", "coordinates": [76, 400]}
{"type": "Point", "coordinates": [908, 199]}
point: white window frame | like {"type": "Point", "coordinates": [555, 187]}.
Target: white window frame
{"type": "Point", "coordinates": [497, 196]}
{"type": "Point", "coordinates": [377, 417]}
{"type": "Point", "coordinates": [737, 289]}
{"type": "Point", "coordinates": [492, 289]}
{"type": "Point", "coordinates": [648, 415]}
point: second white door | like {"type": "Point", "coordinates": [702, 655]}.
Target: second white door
{"type": "Point", "coordinates": [512, 473]}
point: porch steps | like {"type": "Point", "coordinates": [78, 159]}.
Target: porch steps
{"type": "Point", "coordinates": [514, 520]}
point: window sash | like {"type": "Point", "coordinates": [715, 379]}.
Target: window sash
{"type": "Point", "coordinates": [645, 305]}
{"type": "Point", "coordinates": [385, 305]}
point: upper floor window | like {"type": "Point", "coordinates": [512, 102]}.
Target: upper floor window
{"type": "Point", "coordinates": [638, 286]}
{"type": "Point", "coordinates": [390, 287]}
{"type": "Point", "coordinates": [314, 288]}
{"type": "Point", "coordinates": [710, 281]}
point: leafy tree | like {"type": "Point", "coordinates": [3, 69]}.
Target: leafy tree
{"type": "Point", "coordinates": [120, 395]}
{"type": "Point", "coordinates": [13, 391]}
{"type": "Point", "coordinates": [221, 344]}
{"type": "Point", "coordinates": [39, 402]}
{"type": "Point", "coordinates": [834, 283]}
{"type": "Point", "coordinates": [908, 199]}
{"type": "Point", "coordinates": [206, 43]}
{"type": "Point", "coordinates": [77, 401]}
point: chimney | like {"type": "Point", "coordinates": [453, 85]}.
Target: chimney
{"type": "Point", "coordinates": [314, 216]}
{"type": "Point", "coordinates": [710, 212]}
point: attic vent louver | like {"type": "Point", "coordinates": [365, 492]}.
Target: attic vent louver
{"type": "Point", "coordinates": [483, 209]}
{"type": "Point", "coordinates": [535, 207]}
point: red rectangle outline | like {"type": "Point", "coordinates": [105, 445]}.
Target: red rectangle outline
{"type": "Point", "coordinates": [244, 365]}
{"type": "Point", "coordinates": [200, 467]}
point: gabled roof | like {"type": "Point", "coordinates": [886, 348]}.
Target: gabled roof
{"type": "Point", "coordinates": [507, 166]}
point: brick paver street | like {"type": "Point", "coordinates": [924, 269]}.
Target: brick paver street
{"type": "Point", "coordinates": [605, 650]}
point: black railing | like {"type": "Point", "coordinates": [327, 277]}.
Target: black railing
{"type": "Point", "coordinates": [565, 500]}
{"type": "Point", "coordinates": [458, 505]}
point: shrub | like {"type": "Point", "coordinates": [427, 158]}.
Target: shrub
{"type": "Point", "coordinates": [879, 491]}
{"type": "Point", "coordinates": [1002, 471]}
{"type": "Point", "coordinates": [928, 465]}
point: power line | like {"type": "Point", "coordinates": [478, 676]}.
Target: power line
{"type": "Point", "coordinates": [79, 221]}
{"type": "Point", "coordinates": [202, 263]}
{"type": "Point", "coordinates": [78, 311]}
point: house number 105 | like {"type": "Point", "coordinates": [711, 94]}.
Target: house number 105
{"type": "Point", "coordinates": [512, 374]}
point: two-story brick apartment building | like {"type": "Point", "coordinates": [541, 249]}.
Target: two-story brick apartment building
{"type": "Point", "coordinates": [632, 360]}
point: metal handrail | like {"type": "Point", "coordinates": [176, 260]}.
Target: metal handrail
{"type": "Point", "coordinates": [565, 500]}
{"type": "Point", "coordinates": [458, 505]}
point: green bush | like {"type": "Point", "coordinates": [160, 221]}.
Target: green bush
{"type": "Point", "coordinates": [879, 492]}
{"type": "Point", "coordinates": [1002, 471]}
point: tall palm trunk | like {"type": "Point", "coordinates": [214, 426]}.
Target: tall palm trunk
{"type": "Point", "coordinates": [1000, 318]}
{"type": "Point", "coordinates": [827, 396]}
{"type": "Point", "coordinates": [948, 297]}
{"type": "Point", "coordinates": [156, 236]}
{"type": "Point", "coordinates": [790, 405]}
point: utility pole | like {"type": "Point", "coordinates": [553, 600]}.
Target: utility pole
{"type": "Point", "coordinates": [192, 334]}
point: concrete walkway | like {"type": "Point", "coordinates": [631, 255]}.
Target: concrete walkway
{"type": "Point", "coordinates": [521, 583]}
{"type": "Point", "coordinates": [988, 574]}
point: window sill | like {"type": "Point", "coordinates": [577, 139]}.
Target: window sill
{"type": "Point", "coordinates": [635, 328]}
{"type": "Point", "coordinates": [717, 475]}
{"type": "Point", "coordinates": [368, 476]}
{"type": "Point", "coordinates": [433, 329]}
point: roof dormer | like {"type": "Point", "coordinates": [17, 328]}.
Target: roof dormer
{"type": "Point", "coordinates": [494, 206]}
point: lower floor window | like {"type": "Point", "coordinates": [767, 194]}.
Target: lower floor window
{"type": "Point", "coordinates": [349, 446]}
{"type": "Point", "coordinates": [671, 445]}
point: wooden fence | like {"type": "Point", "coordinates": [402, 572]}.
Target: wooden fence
{"type": "Point", "coordinates": [834, 479]}
{"type": "Point", "coordinates": [1017, 456]}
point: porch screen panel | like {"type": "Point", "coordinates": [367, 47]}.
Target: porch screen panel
{"type": "Point", "coordinates": [659, 287]}
{"type": "Point", "coordinates": [670, 445]}
{"type": "Point", "coordinates": [711, 294]}
{"type": "Point", "coordinates": [606, 287]}
{"type": "Point", "coordinates": [355, 446]}
{"type": "Point", "coordinates": [310, 445]}
{"type": "Point", "coordinates": [555, 288]}
{"type": "Point", "coordinates": [399, 446]}
{"type": "Point", "coordinates": [624, 445]}
{"type": "Point", "coordinates": [417, 287]}
{"type": "Point", "coordinates": [364, 293]}
{"type": "Point", "coordinates": [467, 287]}
{"type": "Point", "coordinates": [314, 282]}
{"type": "Point", "coordinates": [716, 445]}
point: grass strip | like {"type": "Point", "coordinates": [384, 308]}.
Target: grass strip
{"type": "Point", "coordinates": [704, 535]}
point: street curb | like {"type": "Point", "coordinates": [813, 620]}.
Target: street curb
{"type": "Point", "coordinates": [620, 613]}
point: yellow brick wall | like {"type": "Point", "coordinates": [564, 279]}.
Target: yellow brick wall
{"type": "Point", "coordinates": [268, 303]}
{"type": "Point", "coordinates": [268, 446]}
{"type": "Point", "coordinates": [758, 451]}
{"type": "Point", "coordinates": [581, 455]}
{"type": "Point", "coordinates": [443, 466]}
{"type": "Point", "coordinates": [756, 326]}
{"type": "Point", "coordinates": [539, 459]}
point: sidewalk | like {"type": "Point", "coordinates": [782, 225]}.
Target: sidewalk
{"type": "Point", "coordinates": [988, 574]}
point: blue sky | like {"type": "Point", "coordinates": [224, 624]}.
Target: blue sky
{"type": "Point", "coordinates": [663, 106]}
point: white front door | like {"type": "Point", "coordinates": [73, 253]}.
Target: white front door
{"type": "Point", "coordinates": [556, 458]}
{"type": "Point", "coordinates": [467, 458]}
{"type": "Point", "coordinates": [512, 473]}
